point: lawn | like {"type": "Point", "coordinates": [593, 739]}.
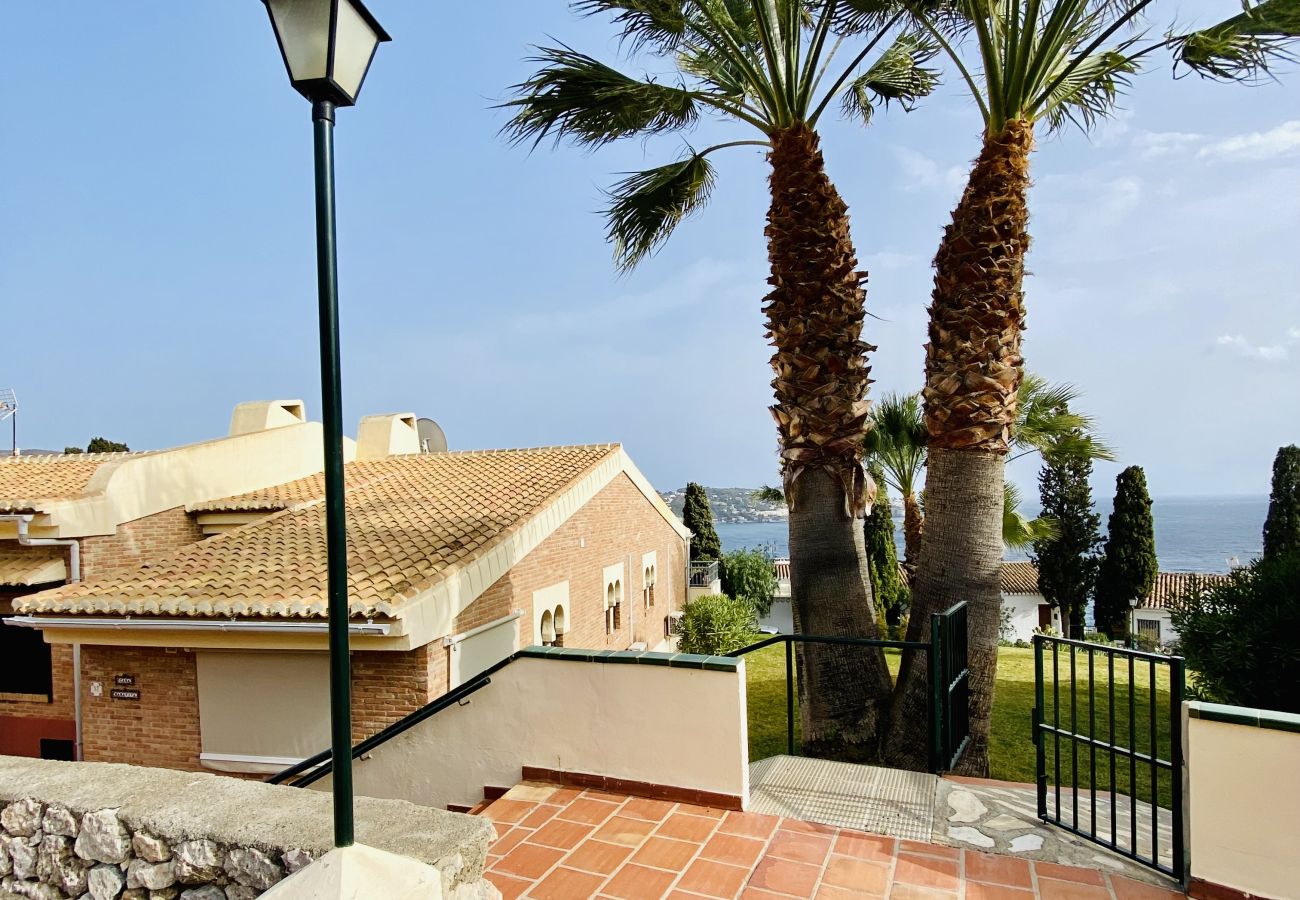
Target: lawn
{"type": "Point", "coordinates": [1011, 751]}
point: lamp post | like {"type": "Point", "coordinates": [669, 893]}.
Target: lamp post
{"type": "Point", "coordinates": [327, 46]}
{"type": "Point", "coordinates": [1132, 623]}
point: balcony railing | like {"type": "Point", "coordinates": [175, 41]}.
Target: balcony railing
{"type": "Point", "coordinates": [703, 573]}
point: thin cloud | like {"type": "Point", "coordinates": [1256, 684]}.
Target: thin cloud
{"type": "Point", "coordinates": [923, 173]}
{"type": "Point", "coordinates": [1161, 144]}
{"type": "Point", "coordinates": [1237, 343]}
{"type": "Point", "coordinates": [1256, 145]}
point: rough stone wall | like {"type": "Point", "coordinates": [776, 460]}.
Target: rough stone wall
{"type": "Point", "coordinates": [159, 729]}
{"type": "Point", "coordinates": [104, 832]}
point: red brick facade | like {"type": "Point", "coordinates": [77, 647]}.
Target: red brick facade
{"type": "Point", "coordinates": [138, 541]}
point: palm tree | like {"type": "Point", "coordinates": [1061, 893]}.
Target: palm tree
{"type": "Point", "coordinates": [774, 67]}
{"type": "Point", "coordinates": [896, 442]}
{"type": "Point", "coordinates": [1019, 532]}
{"type": "Point", "coordinates": [1040, 63]}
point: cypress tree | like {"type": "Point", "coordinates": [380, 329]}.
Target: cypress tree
{"type": "Point", "coordinates": [1129, 566]}
{"type": "Point", "coordinates": [697, 515]}
{"type": "Point", "coordinates": [1282, 527]}
{"type": "Point", "coordinates": [1067, 564]}
{"type": "Point", "coordinates": [882, 557]}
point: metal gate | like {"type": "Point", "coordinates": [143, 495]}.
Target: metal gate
{"type": "Point", "coordinates": [950, 687]}
{"type": "Point", "coordinates": [1108, 732]}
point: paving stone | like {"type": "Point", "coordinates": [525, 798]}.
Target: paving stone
{"type": "Point", "coordinates": [972, 836]}
{"type": "Point", "coordinates": [966, 807]}
{"type": "Point", "coordinates": [1027, 843]}
{"type": "Point", "coordinates": [1004, 822]}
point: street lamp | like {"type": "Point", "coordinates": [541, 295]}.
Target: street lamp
{"type": "Point", "coordinates": [1132, 622]}
{"type": "Point", "coordinates": [327, 46]}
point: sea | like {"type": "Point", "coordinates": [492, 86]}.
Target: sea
{"type": "Point", "coordinates": [1193, 534]}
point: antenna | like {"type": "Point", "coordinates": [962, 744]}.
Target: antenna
{"type": "Point", "coordinates": [9, 410]}
{"type": "Point", "coordinates": [432, 438]}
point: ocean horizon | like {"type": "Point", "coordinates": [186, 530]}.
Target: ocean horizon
{"type": "Point", "coordinates": [1193, 534]}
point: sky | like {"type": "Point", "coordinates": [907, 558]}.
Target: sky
{"type": "Point", "coordinates": [157, 256]}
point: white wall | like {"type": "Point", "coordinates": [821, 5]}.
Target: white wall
{"type": "Point", "coordinates": [668, 726]}
{"type": "Point", "coordinates": [1168, 634]}
{"type": "Point", "coordinates": [781, 617]}
{"type": "Point", "coordinates": [1024, 615]}
{"type": "Point", "coordinates": [1243, 791]}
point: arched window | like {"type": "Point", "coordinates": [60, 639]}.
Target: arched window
{"type": "Point", "coordinates": [561, 624]}
{"type": "Point", "coordinates": [609, 608]}
{"type": "Point", "coordinates": [548, 629]}
{"type": "Point", "coordinates": [618, 605]}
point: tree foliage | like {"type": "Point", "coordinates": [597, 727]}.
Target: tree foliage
{"type": "Point", "coordinates": [1282, 527]}
{"type": "Point", "coordinates": [1128, 566]}
{"type": "Point", "coordinates": [1241, 637]}
{"type": "Point", "coordinates": [104, 445]}
{"type": "Point", "coordinates": [716, 625]}
{"type": "Point", "coordinates": [749, 575]}
{"type": "Point", "coordinates": [1067, 564]}
{"type": "Point", "coordinates": [882, 557]}
{"type": "Point", "coordinates": [697, 515]}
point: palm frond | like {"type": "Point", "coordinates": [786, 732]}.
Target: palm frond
{"type": "Point", "coordinates": [661, 24]}
{"type": "Point", "coordinates": [897, 440]}
{"type": "Point", "coordinates": [1047, 423]}
{"type": "Point", "coordinates": [1246, 47]}
{"type": "Point", "coordinates": [854, 17]}
{"type": "Point", "coordinates": [899, 74]}
{"type": "Point", "coordinates": [646, 206]}
{"type": "Point", "coordinates": [576, 96]}
{"type": "Point", "coordinates": [1089, 92]}
{"type": "Point", "coordinates": [1019, 532]}
{"type": "Point", "coordinates": [717, 69]}
{"type": "Point", "coordinates": [769, 494]}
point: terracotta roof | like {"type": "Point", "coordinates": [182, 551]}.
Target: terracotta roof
{"type": "Point", "coordinates": [412, 521]}
{"type": "Point", "coordinates": [1171, 585]}
{"type": "Point", "coordinates": [22, 566]}
{"type": "Point", "coordinates": [28, 482]}
{"type": "Point", "coordinates": [293, 493]}
{"type": "Point", "coordinates": [1019, 578]}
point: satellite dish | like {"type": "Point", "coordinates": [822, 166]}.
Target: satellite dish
{"type": "Point", "coordinates": [432, 439]}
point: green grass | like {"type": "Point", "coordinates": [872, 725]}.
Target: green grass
{"type": "Point", "coordinates": [1011, 752]}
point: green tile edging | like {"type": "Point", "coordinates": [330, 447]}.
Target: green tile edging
{"type": "Point", "coordinates": [1244, 715]}
{"type": "Point", "coordinates": [634, 657]}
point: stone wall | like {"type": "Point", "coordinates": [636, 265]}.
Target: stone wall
{"type": "Point", "coordinates": [113, 832]}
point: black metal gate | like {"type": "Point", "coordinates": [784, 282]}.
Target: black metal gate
{"type": "Point", "coordinates": [1117, 714]}
{"type": "Point", "coordinates": [950, 687]}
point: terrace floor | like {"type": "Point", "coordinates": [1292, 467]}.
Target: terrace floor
{"type": "Point", "coordinates": [559, 843]}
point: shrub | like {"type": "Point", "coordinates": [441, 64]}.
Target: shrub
{"type": "Point", "coordinates": [716, 624]}
{"type": "Point", "coordinates": [748, 575]}
{"type": "Point", "coordinates": [1241, 637]}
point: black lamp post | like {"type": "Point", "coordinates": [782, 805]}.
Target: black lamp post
{"type": "Point", "coordinates": [327, 47]}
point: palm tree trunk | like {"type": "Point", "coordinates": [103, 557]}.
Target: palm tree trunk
{"type": "Point", "coordinates": [973, 370]}
{"type": "Point", "coordinates": [815, 313]}
{"type": "Point", "coordinates": [913, 527]}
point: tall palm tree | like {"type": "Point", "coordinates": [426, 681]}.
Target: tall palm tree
{"type": "Point", "coordinates": [774, 68]}
{"type": "Point", "coordinates": [897, 442]}
{"type": "Point", "coordinates": [1041, 63]}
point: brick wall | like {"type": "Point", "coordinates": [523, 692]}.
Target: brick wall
{"type": "Point", "coordinates": [159, 729]}
{"type": "Point", "coordinates": [138, 541]}
{"type": "Point", "coordinates": [386, 686]}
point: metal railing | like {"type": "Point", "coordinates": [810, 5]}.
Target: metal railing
{"type": "Point", "coordinates": [949, 705]}
{"type": "Point", "coordinates": [703, 573]}
{"type": "Point", "coordinates": [1112, 734]}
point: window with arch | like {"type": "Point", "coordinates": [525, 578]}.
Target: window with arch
{"type": "Point", "coordinates": [548, 629]}
{"type": "Point", "coordinates": [649, 576]}
{"type": "Point", "coordinates": [560, 623]}
{"type": "Point", "coordinates": [614, 578]}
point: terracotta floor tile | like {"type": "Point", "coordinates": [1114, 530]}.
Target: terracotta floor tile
{"type": "Point", "coordinates": [509, 886]}
{"type": "Point", "coordinates": [506, 810]}
{"type": "Point", "coordinates": [561, 834]}
{"type": "Point", "coordinates": [711, 812]}
{"type": "Point", "coordinates": [929, 849]}
{"type": "Point", "coordinates": [1128, 889]}
{"type": "Point", "coordinates": [687, 828]}
{"type": "Point", "coordinates": [871, 847]}
{"type": "Point", "coordinates": [809, 848]}
{"type": "Point", "coordinates": [1068, 873]}
{"type": "Point", "coordinates": [534, 792]}
{"type": "Point", "coordinates": [993, 869]}
{"type": "Point", "coordinates": [587, 810]}
{"type": "Point", "coordinates": [845, 872]}
{"type": "Point", "coordinates": [831, 892]}
{"type": "Point", "coordinates": [713, 879]}
{"type": "Point", "coordinates": [1051, 889]}
{"type": "Point", "coordinates": [598, 856]}
{"type": "Point", "coordinates": [666, 853]}
{"type": "Point", "coordinates": [650, 810]}
{"type": "Point", "coordinates": [912, 892]}
{"type": "Point", "coordinates": [683, 895]}
{"type": "Point", "coordinates": [976, 890]}
{"type": "Point", "coordinates": [605, 795]}
{"type": "Point", "coordinates": [635, 882]}
{"type": "Point", "coordinates": [622, 830]}
{"type": "Point", "coordinates": [567, 884]}
{"type": "Point", "coordinates": [528, 861]}
{"type": "Point", "coordinates": [508, 841]}
{"type": "Point", "coordinates": [927, 871]}
{"type": "Point", "coordinates": [753, 893]}
{"type": "Point", "coordinates": [785, 877]}
{"type": "Point", "coordinates": [540, 816]}
{"type": "Point", "coordinates": [564, 795]}
{"type": "Point", "coordinates": [807, 827]}
{"type": "Point", "coordinates": [749, 824]}
{"type": "Point", "coordinates": [733, 849]}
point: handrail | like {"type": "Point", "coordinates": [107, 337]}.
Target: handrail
{"type": "Point", "coordinates": [821, 639]}
{"type": "Point", "coordinates": [1109, 648]}
{"type": "Point", "coordinates": [322, 763]}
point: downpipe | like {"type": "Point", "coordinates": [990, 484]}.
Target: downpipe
{"type": "Point", "coordinates": [74, 575]}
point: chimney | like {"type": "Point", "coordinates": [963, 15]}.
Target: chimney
{"type": "Point", "coordinates": [387, 435]}
{"type": "Point", "coordinates": [263, 415]}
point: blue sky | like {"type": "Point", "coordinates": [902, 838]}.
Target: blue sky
{"type": "Point", "coordinates": [157, 255]}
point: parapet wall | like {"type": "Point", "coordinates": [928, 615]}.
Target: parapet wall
{"type": "Point", "coordinates": [68, 830]}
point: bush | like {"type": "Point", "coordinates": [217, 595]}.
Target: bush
{"type": "Point", "coordinates": [1241, 637]}
{"type": "Point", "coordinates": [748, 575]}
{"type": "Point", "coordinates": [716, 625]}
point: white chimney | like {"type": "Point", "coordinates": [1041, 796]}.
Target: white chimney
{"type": "Point", "coordinates": [394, 434]}
{"type": "Point", "coordinates": [263, 415]}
